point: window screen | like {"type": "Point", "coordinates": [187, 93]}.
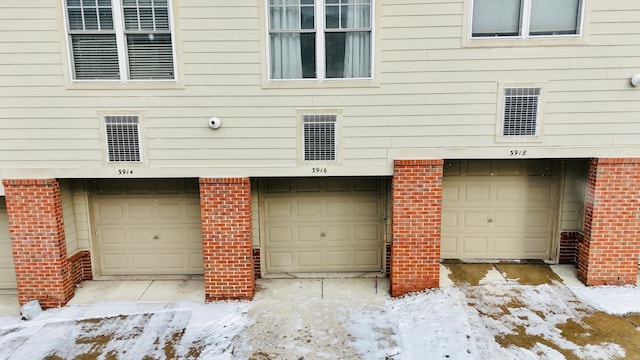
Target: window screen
{"type": "Point", "coordinates": [319, 137]}
{"type": "Point", "coordinates": [521, 107]}
{"type": "Point", "coordinates": [123, 138]}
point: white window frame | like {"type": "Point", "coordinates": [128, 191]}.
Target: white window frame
{"type": "Point", "coordinates": [320, 32]}
{"type": "Point", "coordinates": [123, 62]}
{"type": "Point", "coordinates": [525, 17]}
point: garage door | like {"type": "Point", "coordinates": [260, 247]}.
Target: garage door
{"type": "Point", "coordinates": [323, 224]}
{"type": "Point", "coordinates": [147, 227]}
{"type": "Point", "coordinates": [7, 271]}
{"type": "Point", "coordinates": [498, 209]}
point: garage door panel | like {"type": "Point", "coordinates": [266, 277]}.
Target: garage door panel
{"type": "Point", "coordinates": [332, 219]}
{"type": "Point", "coordinates": [368, 258]}
{"type": "Point", "coordinates": [475, 245]}
{"type": "Point", "coordinates": [280, 234]}
{"type": "Point", "coordinates": [278, 208]}
{"type": "Point", "coordinates": [280, 260]}
{"type": "Point", "coordinates": [308, 208]}
{"type": "Point", "coordinates": [339, 208]}
{"type": "Point", "coordinates": [338, 258]}
{"type": "Point", "coordinates": [538, 219]}
{"type": "Point", "coordinates": [308, 259]}
{"type": "Point", "coordinates": [337, 235]}
{"type": "Point", "coordinates": [476, 219]}
{"type": "Point", "coordinates": [141, 236]}
{"type": "Point", "coordinates": [144, 262]}
{"type": "Point", "coordinates": [450, 219]}
{"type": "Point", "coordinates": [171, 236]}
{"type": "Point", "coordinates": [111, 237]}
{"type": "Point", "coordinates": [147, 227]}
{"type": "Point", "coordinates": [509, 193]}
{"type": "Point", "coordinates": [173, 262]}
{"type": "Point", "coordinates": [479, 192]}
{"type": "Point", "coordinates": [170, 211]}
{"type": "Point", "coordinates": [116, 262]}
{"type": "Point", "coordinates": [308, 233]}
{"type": "Point", "coordinates": [366, 208]}
{"type": "Point", "coordinates": [110, 213]}
{"type": "Point", "coordinates": [507, 219]}
{"type": "Point", "coordinates": [503, 213]}
{"type": "Point", "coordinates": [367, 232]}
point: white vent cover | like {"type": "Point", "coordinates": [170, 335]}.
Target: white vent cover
{"type": "Point", "coordinates": [123, 138]}
{"type": "Point", "coordinates": [319, 137]}
{"type": "Point", "coordinates": [521, 110]}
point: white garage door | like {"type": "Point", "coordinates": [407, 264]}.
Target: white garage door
{"type": "Point", "coordinates": [498, 209]}
{"type": "Point", "coordinates": [323, 224]}
{"type": "Point", "coordinates": [147, 227]}
{"type": "Point", "coordinates": [7, 271]}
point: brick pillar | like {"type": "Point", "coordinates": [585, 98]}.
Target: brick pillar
{"type": "Point", "coordinates": [417, 205]}
{"type": "Point", "coordinates": [227, 238]}
{"type": "Point", "coordinates": [37, 236]}
{"type": "Point", "coordinates": [608, 254]}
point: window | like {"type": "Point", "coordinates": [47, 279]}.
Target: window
{"type": "Point", "coordinates": [123, 138]}
{"type": "Point", "coordinates": [526, 18]}
{"type": "Point", "coordinates": [319, 137]}
{"type": "Point", "coordinates": [521, 111]}
{"type": "Point", "coordinates": [320, 39]}
{"type": "Point", "coordinates": [120, 39]}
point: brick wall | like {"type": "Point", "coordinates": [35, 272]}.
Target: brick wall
{"type": "Point", "coordinates": [257, 271]}
{"type": "Point", "coordinates": [37, 236]}
{"type": "Point", "coordinates": [608, 254]}
{"type": "Point", "coordinates": [569, 247]}
{"type": "Point", "coordinates": [226, 238]}
{"type": "Point", "coordinates": [80, 264]}
{"type": "Point", "coordinates": [417, 205]}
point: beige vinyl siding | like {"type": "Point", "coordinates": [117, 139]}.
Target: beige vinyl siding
{"type": "Point", "coordinates": [574, 195]}
{"type": "Point", "coordinates": [68, 215]}
{"type": "Point", "coordinates": [433, 95]}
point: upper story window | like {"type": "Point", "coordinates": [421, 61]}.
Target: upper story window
{"type": "Point", "coordinates": [320, 39]}
{"type": "Point", "coordinates": [120, 39]}
{"type": "Point", "coordinates": [526, 18]}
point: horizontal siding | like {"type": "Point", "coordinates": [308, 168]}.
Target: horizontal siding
{"type": "Point", "coordinates": [432, 91]}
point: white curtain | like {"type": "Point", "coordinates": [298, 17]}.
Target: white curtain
{"type": "Point", "coordinates": [357, 57]}
{"type": "Point", "coordinates": [286, 57]}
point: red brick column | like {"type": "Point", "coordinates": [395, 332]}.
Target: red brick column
{"type": "Point", "coordinates": [608, 254]}
{"type": "Point", "coordinates": [227, 238]}
{"type": "Point", "coordinates": [417, 205]}
{"type": "Point", "coordinates": [37, 236]}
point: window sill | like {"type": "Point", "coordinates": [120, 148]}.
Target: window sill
{"type": "Point", "coordinates": [129, 85]}
{"type": "Point", "coordinates": [525, 42]}
{"type": "Point", "coordinates": [320, 84]}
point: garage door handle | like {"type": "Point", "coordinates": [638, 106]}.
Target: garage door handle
{"type": "Point", "coordinates": [490, 220]}
{"type": "Point", "coordinates": [156, 237]}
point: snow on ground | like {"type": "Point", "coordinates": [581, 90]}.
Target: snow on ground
{"type": "Point", "coordinates": [456, 323]}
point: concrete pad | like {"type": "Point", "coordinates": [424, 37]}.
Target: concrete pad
{"type": "Point", "coordinates": [363, 288]}
{"type": "Point", "coordinates": [174, 290]}
{"type": "Point", "coordinates": [9, 305]}
{"type": "Point", "coordinates": [93, 292]}
{"type": "Point", "coordinates": [288, 289]}
{"type": "Point", "coordinates": [568, 274]}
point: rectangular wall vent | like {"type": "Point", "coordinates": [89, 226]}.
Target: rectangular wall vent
{"type": "Point", "coordinates": [123, 138]}
{"type": "Point", "coordinates": [319, 137]}
{"type": "Point", "coordinates": [521, 111]}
